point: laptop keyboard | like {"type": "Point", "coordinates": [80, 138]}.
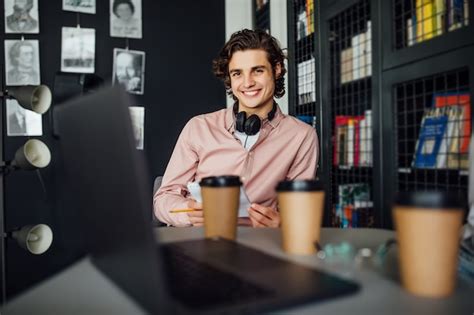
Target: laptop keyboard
{"type": "Point", "coordinates": [199, 285]}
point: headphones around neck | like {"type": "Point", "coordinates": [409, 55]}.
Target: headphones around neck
{"type": "Point", "coordinates": [250, 125]}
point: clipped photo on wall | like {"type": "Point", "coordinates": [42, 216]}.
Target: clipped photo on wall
{"type": "Point", "coordinates": [78, 50]}
{"type": "Point", "coordinates": [83, 6]}
{"type": "Point", "coordinates": [129, 70]}
{"type": "Point", "coordinates": [126, 18]}
{"type": "Point", "coordinates": [22, 62]}
{"type": "Point", "coordinates": [22, 122]}
{"type": "Point", "coordinates": [137, 115]}
{"type": "Point", "coordinates": [21, 16]}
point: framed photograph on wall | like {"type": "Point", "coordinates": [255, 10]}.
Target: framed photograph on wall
{"type": "Point", "coordinates": [137, 115]}
{"type": "Point", "coordinates": [22, 62]}
{"type": "Point", "coordinates": [126, 18]}
{"type": "Point", "coordinates": [21, 16]}
{"type": "Point", "coordinates": [22, 122]}
{"type": "Point", "coordinates": [78, 50]}
{"type": "Point", "coordinates": [129, 70]}
{"type": "Point", "coordinates": [83, 6]}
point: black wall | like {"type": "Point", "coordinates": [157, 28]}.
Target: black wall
{"type": "Point", "coordinates": [180, 39]}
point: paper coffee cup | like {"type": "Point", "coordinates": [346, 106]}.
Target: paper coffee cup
{"type": "Point", "coordinates": [301, 206]}
{"type": "Point", "coordinates": [428, 226]}
{"type": "Point", "coordinates": [220, 201]}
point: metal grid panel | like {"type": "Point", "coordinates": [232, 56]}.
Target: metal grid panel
{"type": "Point", "coordinates": [351, 116]}
{"type": "Point", "coordinates": [305, 60]}
{"type": "Point", "coordinates": [262, 15]}
{"type": "Point", "coordinates": [416, 21]}
{"type": "Point", "coordinates": [433, 131]}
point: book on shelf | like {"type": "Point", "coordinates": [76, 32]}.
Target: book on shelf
{"type": "Point", "coordinates": [425, 18]}
{"type": "Point", "coordinates": [307, 81]}
{"type": "Point", "coordinates": [351, 141]}
{"type": "Point", "coordinates": [305, 19]}
{"type": "Point", "coordinates": [310, 16]}
{"type": "Point", "coordinates": [458, 134]}
{"type": "Point", "coordinates": [458, 14]}
{"type": "Point", "coordinates": [433, 126]}
{"type": "Point", "coordinates": [352, 200]}
{"type": "Point", "coordinates": [435, 17]}
{"type": "Point", "coordinates": [356, 60]}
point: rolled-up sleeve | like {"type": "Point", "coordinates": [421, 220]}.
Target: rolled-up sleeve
{"type": "Point", "coordinates": [306, 159]}
{"type": "Point", "coordinates": [181, 169]}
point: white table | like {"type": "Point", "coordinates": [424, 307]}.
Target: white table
{"type": "Point", "coordinates": [82, 289]}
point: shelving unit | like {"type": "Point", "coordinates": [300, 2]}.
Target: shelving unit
{"type": "Point", "coordinates": [304, 51]}
{"type": "Point", "coordinates": [389, 71]}
{"type": "Point", "coordinates": [348, 115]}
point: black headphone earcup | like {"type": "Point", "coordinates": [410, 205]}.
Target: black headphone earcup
{"type": "Point", "coordinates": [252, 125]}
{"type": "Point", "coordinates": [240, 119]}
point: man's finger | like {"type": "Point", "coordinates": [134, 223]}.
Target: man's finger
{"type": "Point", "coordinates": [265, 211]}
{"type": "Point", "coordinates": [259, 219]}
{"type": "Point", "coordinates": [195, 214]}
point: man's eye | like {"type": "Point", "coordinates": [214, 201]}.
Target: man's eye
{"type": "Point", "coordinates": [235, 74]}
{"type": "Point", "coordinates": [259, 70]}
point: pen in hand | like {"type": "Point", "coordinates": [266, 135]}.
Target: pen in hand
{"type": "Point", "coordinates": [183, 210]}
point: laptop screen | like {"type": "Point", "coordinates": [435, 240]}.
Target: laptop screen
{"type": "Point", "coordinates": [109, 180]}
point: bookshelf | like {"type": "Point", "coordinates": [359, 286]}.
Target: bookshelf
{"type": "Point", "coordinates": [348, 119]}
{"type": "Point", "coordinates": [304, 52]}
{"type": "Point", "coordinates": [380, 95]}
{"type": "Point", "coordinates": [262, 14]}
{"type": "Point", "coordinates": [439, 83]}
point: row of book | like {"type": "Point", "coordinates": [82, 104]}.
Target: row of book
{"type": "Point", "coordinates": [354, 207]}
{"type": "Point", "coordinates": [445, 131]}
{"type": "Point", "coordinates": [305, 23]}
{"type": "Point", "coordinates": [307, 81]}
{"type": "Point", "coordinates": [435, 17]}
{"type": "Point", "coordinates": [352, 142]}
{"type": "Point", "coordinates": [356, 60]}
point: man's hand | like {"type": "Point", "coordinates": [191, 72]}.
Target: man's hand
{"type": "Point", "coordinates": [262, 216]}
{"type": "Point", "coordinates": [196, 217]}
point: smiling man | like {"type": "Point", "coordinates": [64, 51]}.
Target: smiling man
{"type": "Point", "coordinates": [253, 139]}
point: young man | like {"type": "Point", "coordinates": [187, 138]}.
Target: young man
{"type": "Point", "coordinates": [232, 142]}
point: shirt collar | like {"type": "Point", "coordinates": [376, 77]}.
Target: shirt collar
{"type": "Point", "coordinates": [230, 119]}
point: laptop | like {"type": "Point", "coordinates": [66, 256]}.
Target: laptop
{"type": "Point", "coordinates": [108, 179]}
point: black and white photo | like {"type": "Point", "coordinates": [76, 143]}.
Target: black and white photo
{"type": "Point", "coordinates": [126, 18]}
{"type": "Point", "coordinates": [83, 6]}
{"type": "Point", "coordinates": [21, 16]}
{"type": "Point", "coordinates": [22, 122]}
{"type": "Point", "coordinates": [22, 62]}
{"type": "Point", "coordinates": [137, 115]}
{"type": "Point", "coordinates": [129, 70]}
{"type": "Point", "coordinates": [78, 50]}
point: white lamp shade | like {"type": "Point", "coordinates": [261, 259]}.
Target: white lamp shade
{"type": "Point", "coordinates": [33, 97]}
{"type": "Point", "coordinates": [34, 238]}
{"type": "Point", "coordinates": [32, 155]}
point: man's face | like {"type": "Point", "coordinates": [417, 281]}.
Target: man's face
{"type": "Point", "coordinates": [124, 11]}
{"type": "Point", "coordinates": [251, 78]}
{"type": "Point", "coordinates": [21, 9]}
{"type": "Point", "coordinates": [124, 67]}
{"type": "Point", "coordinates": [25, 57]}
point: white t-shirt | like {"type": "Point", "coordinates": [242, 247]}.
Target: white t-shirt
{"type": "Point", "coordinates": [247, 141]}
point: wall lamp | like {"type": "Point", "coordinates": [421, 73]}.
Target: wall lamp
{"type": "Point", "coordinates": [32, 97]}
{"type": "Point", "coordinates": [32, 155]}
{"type": "Point", "coordinates": [34, 238]}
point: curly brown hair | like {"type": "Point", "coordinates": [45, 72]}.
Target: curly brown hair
{"type": "Point", "coordinates": [251, 39]}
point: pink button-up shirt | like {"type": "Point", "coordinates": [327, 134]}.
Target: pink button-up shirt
{"type": "Point", "coordinates": [286, 149]}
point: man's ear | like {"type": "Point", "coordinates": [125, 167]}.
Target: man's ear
{"type": "Point", "coordinates": [277, 70]}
